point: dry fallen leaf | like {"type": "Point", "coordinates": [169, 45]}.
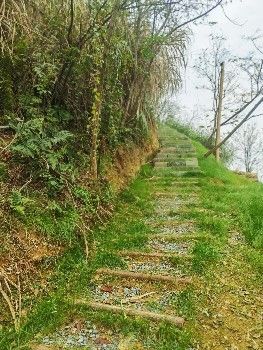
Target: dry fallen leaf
{"type": "Point", "coordinates": [106, 289]}
{"type": "Point", "coordinates": [102, 341]}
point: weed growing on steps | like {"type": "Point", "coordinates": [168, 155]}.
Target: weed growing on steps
{"type": "Point", "coordinates": [127, 228]}
{"type": "Point", "coordinates": [234, 202]}
{"type": "Point", "coordinates": [215, 225]}
{"type": "Point", "coordinates": [205, 254]}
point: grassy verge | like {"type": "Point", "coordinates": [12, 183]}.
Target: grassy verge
{"type": "Point", "coordinates": [236, 203]}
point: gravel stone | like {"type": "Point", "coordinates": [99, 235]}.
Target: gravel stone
{"type": "Point", "coordinates": [177, 229]}
{"type": "Point", "coordinates": [178, 247]}
{"type": "Point", "coordinates": [70, 337]}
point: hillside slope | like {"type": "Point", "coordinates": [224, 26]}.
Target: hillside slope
{"type": "Point", "coordinates": [177, 266]}
{"type": "Point", "coordinates": [38, 227]}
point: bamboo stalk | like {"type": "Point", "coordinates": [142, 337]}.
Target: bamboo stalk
{"type": "Point", "coordinates": [178, 321]}
{"type": "Point", "coordinates": [144, 276]}
{"type": "Point", "coordinates": [137, 298]}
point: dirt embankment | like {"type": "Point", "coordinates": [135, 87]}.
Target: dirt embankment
{"type": "Point", "coordinates": [27, 257]}
{"type": "Point", "coordinates": [128, 159]}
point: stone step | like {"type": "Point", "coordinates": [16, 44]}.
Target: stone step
{"type": "Point", "coordinates": [171, 202]}
{"type": "Point", "coordinates": [174, 137]}
{"type": "Point", "coordinates": [140, 264]}
{"type": "Point", "coordinates": [177, 161]}
{"type": "Point", "coordinates": [171, 149]}
{"type": "Point", "coordinates": [173, 223]}
{"type": "Point", "coordinates": [180, 151]}
{"type": "Point", "coordinates": [180, 236]}
{"type": "Point", "coordinates": [174, 166]}
{"type": "Point", "coordinates": [154, 255]}
{"type": "Point", "coordinates": [174, 161]}
{"type": "Point", "coordinates": [178, 173]}
{"type": "Point", "coordinates": [174, 140]}
{"type": "Point", "coordinates": [181, 181]}
{"type": "Point", "coordinates": [171, 194]}
{"type": "Point", "coordinates": [177, 188]}
{"type": "Point", "coordinates": [172, 156]}
{"type": "Point", "coordinates": [164, 246]}
{"type": "Point", "coordinates": [168, 132]}
{"type": "Point", "coordinates": [177, 154]}
{"type": "Point", "coordinates": [177, 145]}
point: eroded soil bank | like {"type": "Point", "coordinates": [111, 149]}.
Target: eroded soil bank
{"type": "Point", "coordinates": [29, 247]}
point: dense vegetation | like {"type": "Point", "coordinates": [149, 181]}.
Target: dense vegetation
{"type": "Point", "coordinates": [79, 78]}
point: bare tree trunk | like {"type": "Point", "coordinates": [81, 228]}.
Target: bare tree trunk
{"type": "Point", "coordinates": [236, 128]}
{"type": "Point", "coordinates": [219, 112]}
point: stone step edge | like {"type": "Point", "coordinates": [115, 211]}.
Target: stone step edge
{"type": "Point", "coordinates": [184, 166]}
{"type": "Point", "coordinates": [179, 236]}
{"type": "Point", "coordinates": [175, 170]}
{"type": "Point", "coordinates": [169, 223]}
{"type": "Point", "coordinates": [154, 255]}
{"type": "Point", "coordinates": [176, 151]}
{"type": "Point", "coordinates": [191, 181]}
{"type": "Point", "coordinates": [173, 158]}
{"type": "Point", "coordinates": [144, 276]}
{"type": "Point", "coordinates": [177, 173]}
{"type": "Point", "coordinates": [174, 195]}
{"type": "Point", "coordinates": [176, 320]}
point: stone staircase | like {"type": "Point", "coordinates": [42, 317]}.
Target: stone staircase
{"type": "Point", "coordinates": [150, 278]}
{"type": "Point", "coordinates": [153, 277]}
{"type": "Point", "coordinates": [176, 154]}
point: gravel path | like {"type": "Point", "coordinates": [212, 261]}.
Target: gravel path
{"type": "Point", "coordinates": [145, 295]}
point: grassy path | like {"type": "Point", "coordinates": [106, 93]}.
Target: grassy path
{"type": "Point", "coordinates": [170, 270]}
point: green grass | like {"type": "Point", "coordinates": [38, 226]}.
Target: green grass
{"type": "Point", "coordinates": [234, 202]}
{"type": "Point", "coordinates": [230, 202]}
{"type": "Point", "coordinates": [126, 229]}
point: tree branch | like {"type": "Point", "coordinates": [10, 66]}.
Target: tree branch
{"type": "Point", "coordinates": [199, 16]}
{"type": "Point", "coordinates": [235, 129]}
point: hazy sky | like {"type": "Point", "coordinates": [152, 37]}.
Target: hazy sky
{"type": "Point", "coordinates": [249, 15]}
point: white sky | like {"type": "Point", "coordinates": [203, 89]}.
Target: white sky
{"type": "Point", "coordinates": [247, 13]}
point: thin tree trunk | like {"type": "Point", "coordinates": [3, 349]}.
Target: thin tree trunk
{"type": "Point", "coordinates": [219, 112]}
{"type": "Point", "coordinates": [236, 128]}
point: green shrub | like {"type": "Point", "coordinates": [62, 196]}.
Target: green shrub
{"type": "Point", "coordinates": [19, 203]}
